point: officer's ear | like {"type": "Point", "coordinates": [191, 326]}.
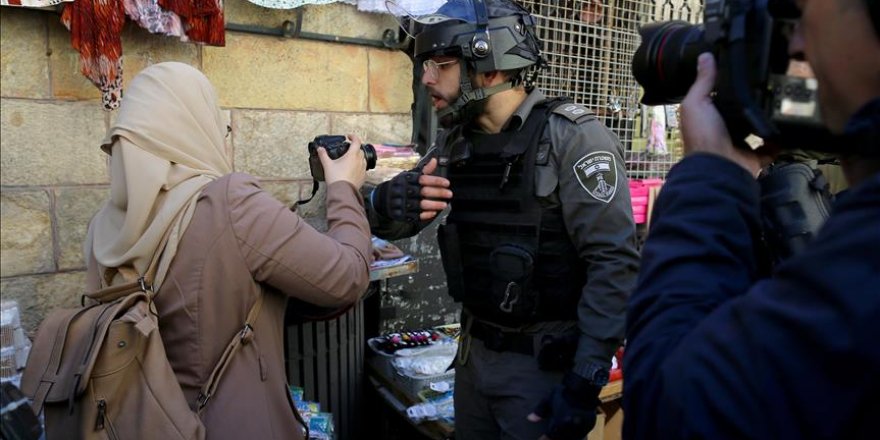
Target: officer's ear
{"type": "Point", "coordinates": [489, 79]}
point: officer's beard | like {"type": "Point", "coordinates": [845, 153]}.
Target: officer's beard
{"type": "Point", "coordinates": [461, 114]}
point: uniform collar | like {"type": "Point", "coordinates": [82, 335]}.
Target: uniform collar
{"type": "Point", "coordinates": [523, 111]}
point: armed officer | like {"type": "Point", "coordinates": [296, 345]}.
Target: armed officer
{"type": "Point", "coordinates": [539, 244]}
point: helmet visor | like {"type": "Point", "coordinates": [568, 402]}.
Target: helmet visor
{"type": "Point", "coordinates": [421, 14]}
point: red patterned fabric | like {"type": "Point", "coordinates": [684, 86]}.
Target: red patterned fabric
{"type": "Point", "coordinates": [203, 19]}
{"type": "Point", "coordinates": [95, 28]}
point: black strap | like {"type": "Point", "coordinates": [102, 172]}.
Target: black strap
{"type": "Point", "coordinates": [496, 339]}
{"type": "Point", "coordinates": [303, 202]}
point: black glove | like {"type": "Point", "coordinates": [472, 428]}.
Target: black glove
{"type": "Point", "coordinates": [399, 198]}
{"type": "Point", "coordinates": [571, 408]}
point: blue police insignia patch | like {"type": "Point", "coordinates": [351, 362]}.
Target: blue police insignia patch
{"type": "Point", "coordinates": [597, 174]}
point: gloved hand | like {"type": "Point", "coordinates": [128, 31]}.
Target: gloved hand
{"type": "Point", "coordinates": [399, 198]}
{"type": "Point", "coordinates": [571, 408]}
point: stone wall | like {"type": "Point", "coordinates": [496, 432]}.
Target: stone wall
{"type": "Point", "coordinates": [277, 92]}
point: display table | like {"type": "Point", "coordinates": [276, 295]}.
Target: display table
{"type": "Point", "coordinates": [397, 399]}
{"type": "Point", "coordinates": [325, 356]}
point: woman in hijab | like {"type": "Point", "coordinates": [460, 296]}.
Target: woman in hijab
{"type": "Point", "coordinates": [211, 242]}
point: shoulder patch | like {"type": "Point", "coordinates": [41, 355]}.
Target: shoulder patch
{"type": "Point", "coordinates": [597, 174]}
{"type": "Point", "coordinates": [575, 113]}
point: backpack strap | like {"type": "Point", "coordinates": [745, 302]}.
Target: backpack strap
{"type": "Point", "coordinates": [54, 364]}
{"type": "Point", "coordinates": [244, 337]}
{"type": "Point", "coordinates": [53, 370]}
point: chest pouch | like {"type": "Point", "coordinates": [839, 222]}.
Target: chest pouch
{"type": "Point", "coordinates": [512, 267]}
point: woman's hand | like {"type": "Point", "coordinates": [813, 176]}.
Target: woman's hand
{"type": "Point", "coordinates": [350, 167]}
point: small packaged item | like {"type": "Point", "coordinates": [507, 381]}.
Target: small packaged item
{"type": "Point", "coordinates": [15, 345]}
{"type": "Point", "coordinates": [321, 426]}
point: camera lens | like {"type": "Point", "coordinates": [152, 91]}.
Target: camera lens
{"type": "Point", "coordinates": [665, 64]}
{"type": "Point", "coordinates": [370, 155]}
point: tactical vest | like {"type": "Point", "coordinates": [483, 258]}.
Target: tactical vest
{"type": "Point", "coordinates": [508, 259]}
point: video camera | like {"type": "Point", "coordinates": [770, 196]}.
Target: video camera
{"type": "Point", "coordinates": [749, 39]}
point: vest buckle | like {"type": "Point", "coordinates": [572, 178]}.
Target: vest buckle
{"type": "Point", "coordinates": [507, 303]}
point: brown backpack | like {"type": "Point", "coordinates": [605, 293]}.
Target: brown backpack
{"type": "Point", "coordinates": [101, 371]}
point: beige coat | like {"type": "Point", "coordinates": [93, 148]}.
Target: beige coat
{"type": "Point", "coordinates": [242, 241]}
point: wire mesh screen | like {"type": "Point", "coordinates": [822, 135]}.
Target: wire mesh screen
{"type": "Point", "coordinates": [589, 45]}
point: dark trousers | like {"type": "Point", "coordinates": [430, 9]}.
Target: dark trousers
{"type": "Point", "coordinates": [495, 391]}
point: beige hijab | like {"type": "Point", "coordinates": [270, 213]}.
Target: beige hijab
{"type": "Point", "coordinates": [165, 146]}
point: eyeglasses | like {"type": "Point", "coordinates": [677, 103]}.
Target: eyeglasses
{"type": "Point", "coordinates": [432, 68]}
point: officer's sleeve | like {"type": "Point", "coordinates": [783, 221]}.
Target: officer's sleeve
{"type": "Point", "coordinates": [596, 206]}
{"type": "Point", "coordinates": [387, 228]}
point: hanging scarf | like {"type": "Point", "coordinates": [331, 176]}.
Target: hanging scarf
{"type": "Point", "coordinates": [95, 27]}
{"type": "Point", "coordinates": [153, 18]}
{"type": "Point", "coordinates": [203, 19]}
{"type": "Point", "coordinates": [32, 3]}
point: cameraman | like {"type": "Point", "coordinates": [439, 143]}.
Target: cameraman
{"type": "Point", "coordinates": [714, 353]}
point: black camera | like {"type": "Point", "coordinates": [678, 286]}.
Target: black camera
{"type": "Point", "coordinates": [753, 93]}
{"type": "Point", "coordinates": [336, 146]}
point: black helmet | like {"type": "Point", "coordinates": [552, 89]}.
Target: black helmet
{"type": "Point", "coordinates": [487, 35]}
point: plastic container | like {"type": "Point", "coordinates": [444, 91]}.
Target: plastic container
{"type": "Point", "coordinates": [640, 200]}
{"type": "Point", "coordinates": [638, 191]}
{"type": "Point", "coordinates": [414, 385]}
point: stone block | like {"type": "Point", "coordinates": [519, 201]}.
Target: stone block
{"type": "Point", "coordinates": [390, 81]}
{"type": "Point", "coordinates": [289, 193]}
{"type": "Point", "coordinates": [24, 67]}
{"type": "Point", "coordinates": [272, 144]}
{"type": "Point", "coordinates": [141, 49]}
{"type": "Point", "coordinates": [40, 294]}
{"type": "Point", "coordinates": [277, 73]}
{"type": "Point", "coordinates": [329, 19]}
{"type": "Point", "coordinates": [247, 13]}
{"type": "Point", "coordinates": [74, 208]}
{"type": "Point", "coordinates": [374, 128]}
{"type": "Point", "coordinates": [67, 80]}
{"type": "Point", "coordinates": [346, 21]}
{"type": "Point", "coordinates": [47, 143]}
{"type": "Point", "coordinates": [316, 209]}
{"type": "Point", "coordinates": [25, 233]}
{"type": "Point", "coordinates": [227, 142]}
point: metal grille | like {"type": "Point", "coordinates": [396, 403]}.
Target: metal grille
{"type": "Point", "coordinates": [589, 45]}
{"type": "Point", "coordinates": [326, 359]}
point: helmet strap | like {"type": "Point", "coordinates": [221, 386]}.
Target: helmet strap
{"type": "Point", "coordinates": [459, 111]}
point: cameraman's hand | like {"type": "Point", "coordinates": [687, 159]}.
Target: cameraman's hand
{"type": "Point", "coordinates": [350, 167]}
{"type": "Point", "coordinates": [702, 127]}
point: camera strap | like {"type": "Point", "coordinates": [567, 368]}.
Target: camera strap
{"type": "Point", "coordinates": [315, 184]}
